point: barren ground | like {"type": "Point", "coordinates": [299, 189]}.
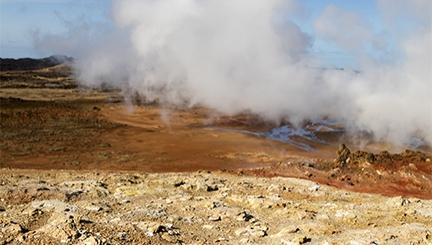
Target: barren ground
{"type": "Point", "coordinates": [99, 207]}
{"type": "Point", "coordinates": [48, 122]}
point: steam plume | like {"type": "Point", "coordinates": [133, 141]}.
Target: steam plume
{"type": "Point", "coordinates": [247, 55]}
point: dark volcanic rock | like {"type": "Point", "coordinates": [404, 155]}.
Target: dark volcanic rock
{"type": "Point", "coordinates": [345, 157]}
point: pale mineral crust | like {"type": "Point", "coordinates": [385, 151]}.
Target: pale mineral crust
{"type": "Point", "coordinates": [79, 207]}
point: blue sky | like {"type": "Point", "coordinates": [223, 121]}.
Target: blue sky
{"type": "Point", "coordinates": [20, 19]}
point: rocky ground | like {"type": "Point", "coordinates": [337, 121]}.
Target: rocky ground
{"type": "Point", "coordinates": [53, 207]}
{"type": "Point", "coordinates": [86, 166]}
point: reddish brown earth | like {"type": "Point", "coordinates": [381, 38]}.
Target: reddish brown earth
{"type": "Point", "coordinates": [80, 129]}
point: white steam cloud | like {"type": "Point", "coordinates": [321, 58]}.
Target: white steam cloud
{"type": "Point", "coordinates": [247, 55]}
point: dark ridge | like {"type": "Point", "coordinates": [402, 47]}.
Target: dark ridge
{"type": "Point", "coordinates": [25, 64]}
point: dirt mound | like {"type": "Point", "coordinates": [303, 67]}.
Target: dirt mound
{"type": "Point", "coordinates": [345, 157]}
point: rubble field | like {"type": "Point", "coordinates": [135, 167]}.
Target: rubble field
{"type": "Point", "coordinates": [97, 207]}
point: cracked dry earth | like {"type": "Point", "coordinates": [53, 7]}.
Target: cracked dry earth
{"type": "Point", "coordinates": [71, 207]}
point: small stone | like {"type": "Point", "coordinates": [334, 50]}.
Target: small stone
{"type": "Point", "coordinates": [315, 187]}
{"type": "Point", "coordinates": [304, 240]}
{"type": "Point", "coordinates": [15, 228]}
{"type": "Point", "coordinates": [179, 183]}
{"type": "Point", "coordinates": [94, 208]}
{"type": "Point", "coordinates": [214, 205]}
{"type": "Point", "coordinates": [215, 218]}
{"type": "Point", "coordinates": [294, 230]}
{"type": "Point", "coordinates": [252, 231]}
{"type": "Point", "coordinates": [212, 188]}
{"type": "Point", "coordinates": [122, 235]}
{"type": "Point", "coordinates": [220, 239]}
{"type": "Point", "coordinates": [244, 216]}
{"type": "Point", "coordinates": [308, 174]}
{"type": "Point", "coordinates": [90, 241]}
{"type": "Point", "coordinates": [208, 227]}
{"type": "Point", "coordinates": [85, 220]}
{"type": "Point", "coordinates": [36, 212]}
{"type": "Point", "coordinates": [125, 201]}
{"type": "Point", "coordinates": [404, 202]}
{"type": "Point", "coordinates": [70, 195]}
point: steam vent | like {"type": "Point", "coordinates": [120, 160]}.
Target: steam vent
{"type": "Point", "coordinates": [215, 122]}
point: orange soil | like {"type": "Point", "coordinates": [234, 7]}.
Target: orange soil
{"type": "Point", "coordinates": [195, 139]}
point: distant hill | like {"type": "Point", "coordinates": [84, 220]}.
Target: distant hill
{"type": "Point", "coordinates": [24, 64]}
